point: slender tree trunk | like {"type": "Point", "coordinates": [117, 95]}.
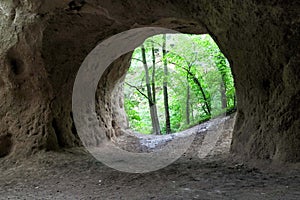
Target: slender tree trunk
{"type": "Point", "coordinates": [153, 112]}
{"type": "Point", "coordinates": [165, 87]}
{"type": "Point", "coordinates": [153, 72]}
{"type": "Point", "coordinates": [187, 105]}
{"type": "Point", "coordinates": [223, 95]}
{"type": "Point", "coordinates": [154, 89]}
{"type": "Point", "coordinates": [192, 113]}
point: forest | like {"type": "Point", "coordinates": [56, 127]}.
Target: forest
{"type": "Point", "coordinates": [176, 81]}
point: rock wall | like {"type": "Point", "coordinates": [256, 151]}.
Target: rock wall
{"type": "Point", "coordinates": [44, 42]}
{"type": "Point", "coordinates": [259, 39]}
{"type": "Point", "coordinates": [110, 98]}
{"type": "Point", "coordinates": [25, 91]}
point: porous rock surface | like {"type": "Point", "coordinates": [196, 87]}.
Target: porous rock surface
{"type": "Point", "coordinates": [43, 43]}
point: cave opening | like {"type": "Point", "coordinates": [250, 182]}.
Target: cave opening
{"type": "Point", "coordinates": [175, 82]}
{"type": "Point", "coordinates": [200, 92]}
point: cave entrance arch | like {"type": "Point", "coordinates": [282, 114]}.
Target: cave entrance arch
{"type": "Point", "coordinates": [89, 129]}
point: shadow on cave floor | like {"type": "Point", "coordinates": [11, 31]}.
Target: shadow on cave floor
{"type": "Point", "coordinates": [75, 174]}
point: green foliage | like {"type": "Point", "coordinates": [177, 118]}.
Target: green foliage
{"type": "Point", "coordinates": [193, 61]}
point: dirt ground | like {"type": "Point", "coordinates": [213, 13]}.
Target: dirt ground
{"type": "Point", "coordinates": [75, 174]}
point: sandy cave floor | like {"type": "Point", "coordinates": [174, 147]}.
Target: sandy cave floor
{"type": "Point", "coordinates": [75, 174]}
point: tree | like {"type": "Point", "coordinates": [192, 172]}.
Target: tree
{"type": "Point", "coordinates": [151, 92]}
{"type": "Point", "coordinates": [226, 87]}
{"type": "Point", "coordinates": [187, 67]}
{"type": "Point", "coordinates": [150, 87]}
{"type": "Point", "coordinates": [165, 86]}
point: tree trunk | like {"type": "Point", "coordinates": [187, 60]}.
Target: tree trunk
{"type": "Point", "coordinates": [153, 72]}
{"type": "Point", "coordinates": [187, 105]}
{"type": "Point", "coordinates": [152, 105]}
{"type": "Point", "coordinates": [154, 90]}
{"type": "Point", "coordinates": [192, 113]}
{"type": "Point", "coordinates": [165, 88]}
{"type": "Point", "coordinates": [223, 95]}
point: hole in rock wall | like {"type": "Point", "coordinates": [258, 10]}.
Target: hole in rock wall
{"type": "Point", "coordinates": [182, 81]}
{"type": "Point", "coordinates": [16, 64]}
{"type": "Point", "coordinates": [2, 83]}
{"type": "Point", "coordinates": [5, 145]}
{"type": "Point", "coordinates": [172, 83]}
{"type": "Point", "coordinates": [175, 82]}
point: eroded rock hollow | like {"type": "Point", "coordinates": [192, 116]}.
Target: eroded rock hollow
{"type": "Point", "coordinates": [43, 44]}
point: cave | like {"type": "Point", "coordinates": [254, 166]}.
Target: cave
{"type": "Point", "coordinates": [44, 43]}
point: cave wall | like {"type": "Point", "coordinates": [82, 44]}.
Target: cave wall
{"type": "Point", "coordinates": [110, 98]}
{"type": "Point", "coordinates": [43, 44]}
{"type": "Point", "coordinates": [259, 40]}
